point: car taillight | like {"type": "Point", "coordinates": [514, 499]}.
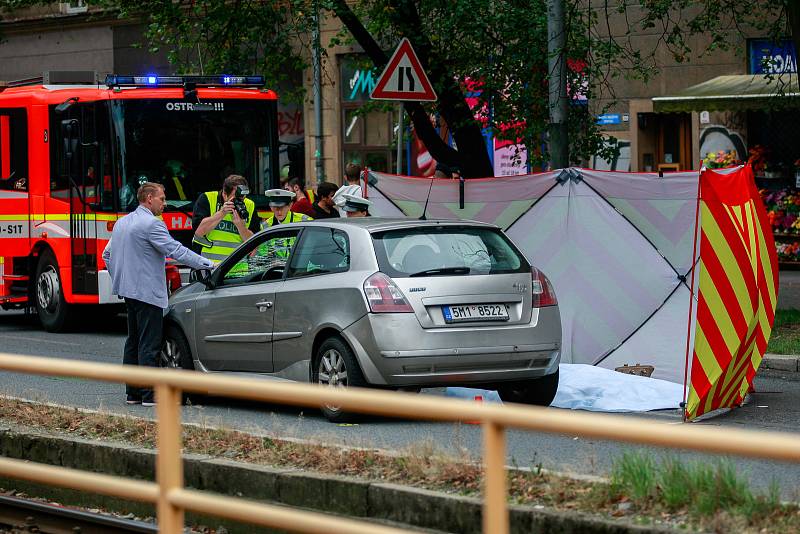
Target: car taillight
{"type": "Point", "coordinates": [542, 289]}
{"type": "Point", "coordinates": [384, 296]}
{"type": "Point", "coordinates": [173, 278]}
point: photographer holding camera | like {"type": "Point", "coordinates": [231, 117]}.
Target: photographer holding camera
{"type": "Point", "coordinates": [224, 219]}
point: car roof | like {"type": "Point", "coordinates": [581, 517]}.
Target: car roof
{"type": "Point", "coordinates": [388, 223]}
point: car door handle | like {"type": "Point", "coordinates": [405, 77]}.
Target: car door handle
{"type": "Point", "coordinates": [263, 305]}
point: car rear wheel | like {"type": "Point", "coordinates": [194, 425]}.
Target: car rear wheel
{"type": "Point", "coordinates": [175, 351]}
{"type": "Point", "coordinates": [51, 306]}
{"type": "Point", "coordinates": [336, 366]}
{"type": "Point", "coordinates": [539, 391]}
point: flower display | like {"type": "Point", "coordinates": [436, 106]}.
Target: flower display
{"type": "Point", "coordinates": [788, 251]}
{"type": "Point", "coordinates": [783, 210]}
{"type": "Point", "coordinates": [758, 159]}
{"type": "Point", "coordinates": [783, 214]}
{"type": "Point", "coordinates": [718, 160]}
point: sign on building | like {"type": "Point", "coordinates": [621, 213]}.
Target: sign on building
{"type": "Point", "coordinates": [771, 57]}
{"type": "Point", "coordinates": [609, 118]}
{"type": "Point", "coordinates": [358, 78]}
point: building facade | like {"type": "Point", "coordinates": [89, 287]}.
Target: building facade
{"type": "Point", "coordinates": [711, 103]}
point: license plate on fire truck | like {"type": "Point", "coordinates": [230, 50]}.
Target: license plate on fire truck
{"type": "Point", "coordinates": [475, 312]}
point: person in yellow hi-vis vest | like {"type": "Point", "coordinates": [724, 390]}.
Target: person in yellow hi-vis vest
{"type": "Point", "coordinates": [279, 201]}
{"type": "Point", "coordinates": [224, 219]}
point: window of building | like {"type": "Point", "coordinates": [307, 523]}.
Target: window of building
{"type": "Point", "coordinates": [367, 137]}
{"type": "Point", "coordinates": [13, 149]}
{"type": "Point", "coordinates": [353, 127]}
{"type": "Point", "coordinates": [75, 6]}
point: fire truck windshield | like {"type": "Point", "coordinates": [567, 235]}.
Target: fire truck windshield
{"type": "Point", "coordinates": [191, 149]}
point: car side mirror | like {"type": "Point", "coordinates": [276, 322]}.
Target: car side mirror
{"type": "Point", "coordinates": [201, 275]}
{"type": "Point", "coordinates": [70, 133]}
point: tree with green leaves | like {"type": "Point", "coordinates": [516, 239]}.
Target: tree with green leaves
{"type": "Point", "coordinates": [495, 51]}
{"type": "Point", "coordinates": [492, 50]}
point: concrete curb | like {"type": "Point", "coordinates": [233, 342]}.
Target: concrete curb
{"type": "Point", "coordinates": [373, 501]}
{"type": "Point", "coordinates": [782, 362]}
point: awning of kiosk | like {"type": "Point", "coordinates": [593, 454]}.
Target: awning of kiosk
{"type": "Point", "coordinates": [733, 93]}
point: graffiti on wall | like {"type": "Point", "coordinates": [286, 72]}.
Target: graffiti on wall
{"type": "Point", "coordinates": [290, 124]}
{"type": "Point", "coordinates": [716, 138]}
{"type": "Point", "coordinates": [291, 135]}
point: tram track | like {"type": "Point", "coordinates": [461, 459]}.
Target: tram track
{"type": "Point", "coordinates": [24, 515]}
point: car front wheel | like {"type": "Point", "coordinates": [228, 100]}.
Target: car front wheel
{"type": "Point", "coordinates": [175, 351]}
{"type": "Point", "coordinates": [538, 391]}
{"type": "Point", "coordinates": [336, 366]}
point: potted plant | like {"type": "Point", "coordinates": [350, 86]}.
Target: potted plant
{"type": "Point", "coordinates": [759, 160]}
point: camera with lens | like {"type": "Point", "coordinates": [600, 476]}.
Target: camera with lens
{"type": "Point", "coordinates": [238, 201]}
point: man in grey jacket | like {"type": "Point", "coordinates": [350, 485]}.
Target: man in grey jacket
{"type": "Point", "coordinates": [141, 245]}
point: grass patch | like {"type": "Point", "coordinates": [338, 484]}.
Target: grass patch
{"type": "Point", "coordinates": [785, 337]}
{"type": "Point", "coordinates": [712, 497]}
{"type": "Point", "coordinates": [640, 490]}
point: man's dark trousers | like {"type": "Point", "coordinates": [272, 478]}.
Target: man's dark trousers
{"type": "Point", "coordinates": [145, 326]}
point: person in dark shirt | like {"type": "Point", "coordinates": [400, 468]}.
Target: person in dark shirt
{"type": "Point", "coordinates": [324, 207]}
{"type": "Point", "coordinates": [218, 231]}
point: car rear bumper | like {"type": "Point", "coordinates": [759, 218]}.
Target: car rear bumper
{"type": "Point", "coordinates": [394, 350]}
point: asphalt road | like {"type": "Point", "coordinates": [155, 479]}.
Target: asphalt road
{"type": "Point", "coordinates": [775, 407]}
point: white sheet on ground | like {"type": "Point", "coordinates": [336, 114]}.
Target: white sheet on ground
{"type": "Point", "coordinates": [586, 387]}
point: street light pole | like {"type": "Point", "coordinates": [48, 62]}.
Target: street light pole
{"type": "Point", "coordinates": [558, 103]}
{"type": "Point", "coordinates": [317, 62]}
{"type": "Point", "coordinates": [399, 156]}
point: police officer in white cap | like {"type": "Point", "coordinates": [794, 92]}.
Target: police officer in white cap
{"type": "Point", "coordinates": [279, 201]}
{"type": "Point", "coordinates": [355, 206]}
{"type": "Point", "coordinates": [279, 248]}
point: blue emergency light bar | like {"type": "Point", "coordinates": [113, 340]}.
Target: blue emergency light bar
{"type": "Point", "coordinates": [153, 80]}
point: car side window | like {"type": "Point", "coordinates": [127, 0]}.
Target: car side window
{"type": "Point", "coordinates": [264, 260]}
{"type": "Point", "coordinates": [321, 251]}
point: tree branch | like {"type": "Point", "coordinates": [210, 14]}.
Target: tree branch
{"type": "Point", "coordinates": [422, 123]}
{"type": "Point", "coordinates": [472, 156]}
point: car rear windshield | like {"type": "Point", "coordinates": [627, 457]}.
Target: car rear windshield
{"type": "Point", "coordinates": [446, 250]}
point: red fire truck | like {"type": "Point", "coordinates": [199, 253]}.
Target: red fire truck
{"type": "Point", "coordinates": [74, 151]}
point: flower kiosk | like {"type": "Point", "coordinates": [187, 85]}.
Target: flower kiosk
{"type": "Point", "coordinates": [752, 118]}
{"type": "Point", "coordinates": [778, 184]}
{"type": "Point", "coordinates": [783, 212]}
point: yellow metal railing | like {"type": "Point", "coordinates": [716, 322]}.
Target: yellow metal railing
{"type": "Point", "coordinates": [171, 499]}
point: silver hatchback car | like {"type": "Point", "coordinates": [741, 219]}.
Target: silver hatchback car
{"type": "Point", "coordinates": [370, 302]}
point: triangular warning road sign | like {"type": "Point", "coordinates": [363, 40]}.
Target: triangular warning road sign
{"type": "Point", "coordinates": [403, 78]}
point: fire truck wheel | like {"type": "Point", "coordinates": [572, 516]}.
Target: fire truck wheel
{"type": "Point", "coordinates": [49, 295]}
